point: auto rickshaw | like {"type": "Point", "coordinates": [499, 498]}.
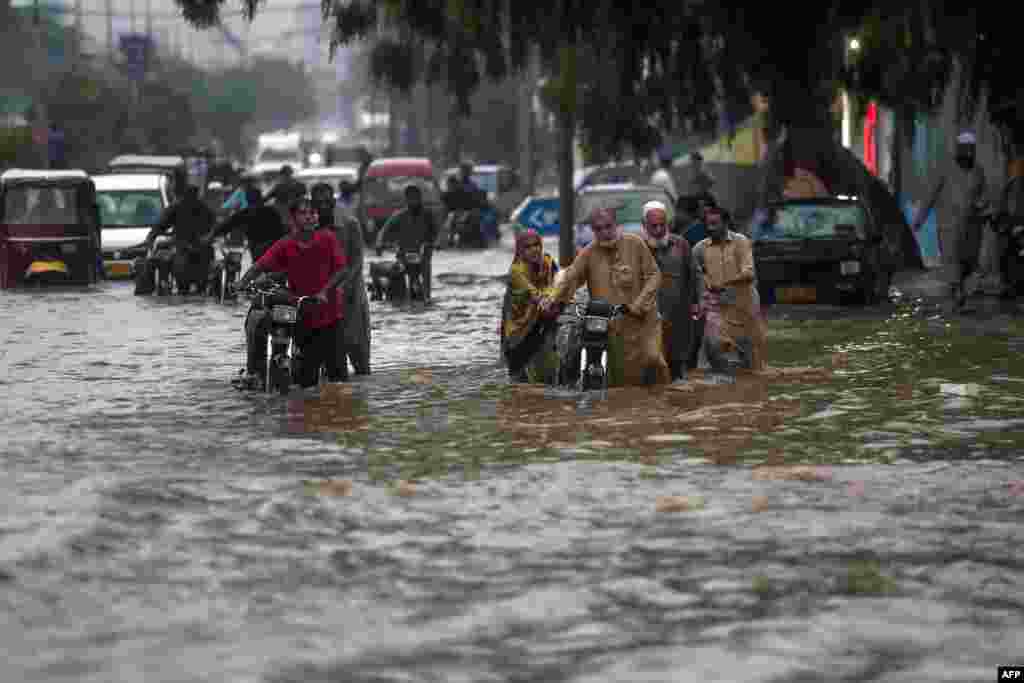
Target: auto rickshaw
{"type": "Point", "coordinates": [49, 228]}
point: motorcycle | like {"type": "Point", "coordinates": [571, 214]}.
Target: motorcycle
{"type": "Point", "coordinates": [465, 229]}
{"type": "Point", "coordinates": [582, 333]}
{"type": "Point", "coordinates": [400, 280]}
{"type": "Point", "coordinates": [283, 359]}
{"type": "Point", "coordinates": [225, 272]}
{"type": "Point", "coordinates": [155, 271]}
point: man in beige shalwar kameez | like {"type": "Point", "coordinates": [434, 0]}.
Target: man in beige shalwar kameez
{"type": "Point", "coordinates": [621, 270]}
{"type": "Point", "coordinates": [726, 283]}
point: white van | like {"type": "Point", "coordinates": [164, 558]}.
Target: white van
{"type": "Point", "coordinates": [130, 205]}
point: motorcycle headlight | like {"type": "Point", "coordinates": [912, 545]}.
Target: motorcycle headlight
{"type": "Point", "coordinates": [284, 314]}
{"type": "Point", "coordinates": [597, 324]}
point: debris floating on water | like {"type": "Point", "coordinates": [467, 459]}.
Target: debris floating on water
{"type": "Point", "coordinates": [792, 473]}
{"type": "Point", "coordinates": [333, 487]}
{"type": "Point", "coordinates": [678, 503]}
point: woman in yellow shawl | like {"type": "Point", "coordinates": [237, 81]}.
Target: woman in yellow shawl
{"type": "Point", "coordinates": [527, 334]}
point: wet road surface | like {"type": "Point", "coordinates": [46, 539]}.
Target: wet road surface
{"type": "Point", "coordinates": [857, 521]}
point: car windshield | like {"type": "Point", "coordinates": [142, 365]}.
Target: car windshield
{"type": "Point", "coordinates": [629, 204]}
{"type": "Point", "coordinates": [391, 189]}
{"type": "Point", "coordinates": [127, 208]}
{"type": "Point", "coordinates": [332, 180]}
{"type": "Point", "coordinates": [40, 205]}
{"type": "Point", "coordinates": [810, 221]}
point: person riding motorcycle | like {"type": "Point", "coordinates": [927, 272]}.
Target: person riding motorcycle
{"type": "Point", "coordinates": [286, 191]}
{"type": "Point", "coordinates": [261, 224]}
{"type": "Point", "coordinates": [416, 231]}
{"type": "Point", "coordinates": [191, 219]}
{"type": "Point", "coordinates": [355, 332]}
{"type": "Point", "coordinates": [463, 196]}
{"type": "Point", "coordinates": [316, 267]}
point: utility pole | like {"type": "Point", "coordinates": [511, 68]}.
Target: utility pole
{"type": "Point", "coordinates": [42, 120]}
{"type": "Point", "coordinates": [79, 34]}
{"type": "Point", "coordinates": [110, 29]}
{"type": "Point", "coordinates": [527, 163]}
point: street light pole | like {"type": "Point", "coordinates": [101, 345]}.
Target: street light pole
{"type": "Point", "coordinates": [42, 119]}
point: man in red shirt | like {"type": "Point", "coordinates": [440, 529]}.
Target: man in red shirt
{"type": "Point", "coordinates": [316, 267]}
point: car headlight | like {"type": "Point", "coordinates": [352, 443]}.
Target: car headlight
{"type": "Point", "coordinates": [849, 267]}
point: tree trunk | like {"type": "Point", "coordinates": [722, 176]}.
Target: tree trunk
{"type": "Point", "coordinates": [527, 146]}
{"type": "Point", "coordinates": [454, 134]}
{"type": "Point", "coordinates": [566, 192]}
{"type": "Point", "coordinates": [392, 123]}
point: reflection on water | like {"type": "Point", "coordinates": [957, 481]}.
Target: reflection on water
{"type": "Point", "coordinates": [433, 522]}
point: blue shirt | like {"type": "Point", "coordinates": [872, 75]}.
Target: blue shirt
{"type": "Point", "coordinates": [695, 233]}
{"type": "Point", "coordinates": [237, 200]}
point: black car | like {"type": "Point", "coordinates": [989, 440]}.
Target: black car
{"type": "Point", "coordinates": [822, 250]}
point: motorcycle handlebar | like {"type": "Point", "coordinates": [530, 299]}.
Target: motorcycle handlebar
{"type": "Point", "coordinates": [618, 310]}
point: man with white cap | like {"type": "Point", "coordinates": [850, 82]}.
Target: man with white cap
{"type": "Point", "coordinates": [677, 295]}
{"type": "Point", "coordinates": [958, 210]}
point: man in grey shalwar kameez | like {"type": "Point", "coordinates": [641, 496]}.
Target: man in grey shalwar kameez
{"type": "Point", "coordinates": [355, 328]}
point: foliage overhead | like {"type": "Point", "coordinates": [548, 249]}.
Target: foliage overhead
{"type": "Point", "coordinates": [652, 66]}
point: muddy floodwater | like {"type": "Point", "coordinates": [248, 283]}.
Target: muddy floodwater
{"type": "Point", "coordinates": [854, 514]}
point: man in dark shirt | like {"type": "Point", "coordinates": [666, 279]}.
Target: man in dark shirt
{"type": "Point", "coordinates": [415, 230]}
{"type": "Point", "coordinates": [261, 224]}
{"type": "Point", "coordinates": [287, 190]}
{"type": "Point", "coordinates": [191, 219]}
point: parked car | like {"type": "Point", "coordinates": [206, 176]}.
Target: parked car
{"type": "Point", "coordinates": [383, 192]}
{"type": "Point", "coordinates": [130, 205]}
{"type": "Point", "coordinates": [49, 230]}
{"type": "Point", "coordinates": [610, 174]}
{"type": "Point", "coordinates": [627, 199]}
{"type": "Point", "coordinates": [822, 250]}
{"type": "Point", "coordinates": [173, 166]}
{"type": "Point", "coordinates": [502, 185]}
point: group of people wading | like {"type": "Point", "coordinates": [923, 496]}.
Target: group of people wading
{"type": "Point", "coordinates": [678, 300]}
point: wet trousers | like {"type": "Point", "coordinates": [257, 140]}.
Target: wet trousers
{"type": "Point", "coordinates": [319, 347]}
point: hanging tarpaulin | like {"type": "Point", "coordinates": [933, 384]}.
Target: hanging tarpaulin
{"type": "Point", "coordinates": [870, 141]}
{"type": "Point", "coordinates": [738, 147]}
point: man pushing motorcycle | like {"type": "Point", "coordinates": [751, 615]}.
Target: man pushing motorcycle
{"type": "Point", "coordinates": [316, 267]}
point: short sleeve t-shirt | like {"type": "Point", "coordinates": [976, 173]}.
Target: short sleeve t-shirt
{"type": "Point", "coordinates": [309, 266]}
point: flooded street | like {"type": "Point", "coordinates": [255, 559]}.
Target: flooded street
{"type": "Point", "coordinates": [853, 515]}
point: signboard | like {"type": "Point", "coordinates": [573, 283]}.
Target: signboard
{"type": "Point", "coordinates": [136, 48]}
{"type": "Point", "coordinates": [541, 214]}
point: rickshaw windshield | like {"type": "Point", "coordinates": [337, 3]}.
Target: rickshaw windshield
{"type": "Point", "coordinates": [40, 205]}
